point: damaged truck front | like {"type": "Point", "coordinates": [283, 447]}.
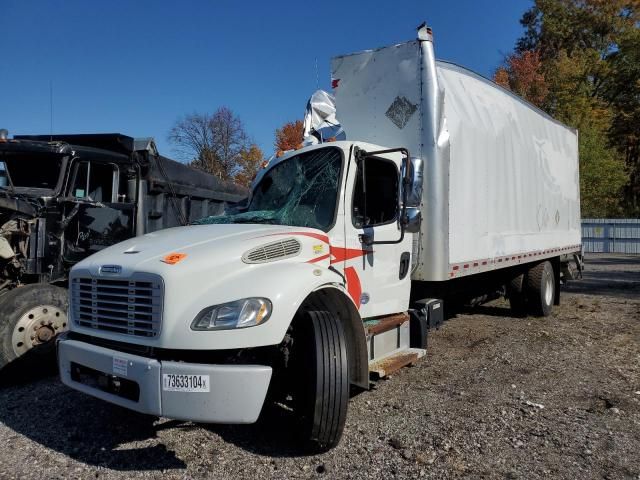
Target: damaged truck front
{"type": "Point", "coordinates": [63, 198]}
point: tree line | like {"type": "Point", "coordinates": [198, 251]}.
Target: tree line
{"type": "Point", "coordinates": [579, 60]}
{"type": "Point", "coordinates": [218, 143]}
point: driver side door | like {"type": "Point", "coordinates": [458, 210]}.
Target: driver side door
{"type": "Point", "coordinates": [378, 275]}
{"type": "Point", "coordinates": [100, 211]}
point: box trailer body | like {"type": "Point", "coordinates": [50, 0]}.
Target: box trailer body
{"type": "Point", "coordinates": [338, 265]}
{"type": "Point", "coordinates": [500, 176]}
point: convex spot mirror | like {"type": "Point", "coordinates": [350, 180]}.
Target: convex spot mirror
{"type": "Point", "coordinates": [412, 220]}
{"type": "Point", "coordinates": [414, 189]}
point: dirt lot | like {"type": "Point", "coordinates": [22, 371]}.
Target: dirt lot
{"type": "Point", "coordinates": [496, 397]}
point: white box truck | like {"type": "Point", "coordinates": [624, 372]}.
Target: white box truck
{"type": "Point", "coordinates": [447, 188]}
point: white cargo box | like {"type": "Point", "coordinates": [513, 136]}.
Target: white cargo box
{"type": "Point", "coordinates": [501, 177]}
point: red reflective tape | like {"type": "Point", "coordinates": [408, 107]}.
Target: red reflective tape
{"type": "Point", "coordinates": [319, 259]}
{"type": "Point", "coordinates": [456, 267]}
{"type": "Point", "coordinates": [353, 285]}
{"type": "Point", "coordinates": [341, 254]}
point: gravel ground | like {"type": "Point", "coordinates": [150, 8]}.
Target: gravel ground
{"type": "Point", "coordinates": [496, 397]}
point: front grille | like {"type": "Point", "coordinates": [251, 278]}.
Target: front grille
{"type": "Point", "coordinates": [131, 306]}
{"type": "Point", "coordinates": [273, 251]}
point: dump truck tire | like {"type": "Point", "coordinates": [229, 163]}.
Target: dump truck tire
{"type": "Point", "coordinates": [517, 296]}
{"type": "Point", "coordinates": [540, 289]}
{"type": "Point", "coordinates": [323, 393]}
{"type": "Point", "coordinates": [30, 319]}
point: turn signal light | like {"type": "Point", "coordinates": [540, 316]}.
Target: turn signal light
{"type": "Point", "coordinates": [174, 258]}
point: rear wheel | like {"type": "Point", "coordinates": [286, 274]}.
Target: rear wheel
{"type": "Point", "coordinates": [30, 318]}
{"type": "Point", "coordinates": [541, 289]}
{"type": "Point", "coordinates": [517, 296]}
{"type": "Point", "coordinates": [321, 399]}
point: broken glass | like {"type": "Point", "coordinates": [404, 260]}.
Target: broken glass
{"type": "Point", "coordinates": [301, 191]}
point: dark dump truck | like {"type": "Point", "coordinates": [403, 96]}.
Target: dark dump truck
{"type": "Point", "coordinates": [64, 197]}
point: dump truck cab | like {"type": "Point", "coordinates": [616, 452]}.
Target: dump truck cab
{"type": "Point", "coordinates": [63, 198]}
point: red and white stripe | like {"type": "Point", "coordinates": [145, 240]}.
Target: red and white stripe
{"type": "Point", "coordinates": [486, 264]}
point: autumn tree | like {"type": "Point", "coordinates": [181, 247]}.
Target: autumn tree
{"type": "Point", "coordinates": [523, 74]}
{"type": "Point", "coordinates": [211, 142]}
{"type": "Point", "coordinates": [250, 161]}
{"type": "Point", "coordinates": [289, 136]}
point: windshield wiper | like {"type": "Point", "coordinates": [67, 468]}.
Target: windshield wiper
{"type": "Point", "coordinates": [271, 221]}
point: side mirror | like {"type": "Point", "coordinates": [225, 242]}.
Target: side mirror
{"type": "Point", "coordinates": [412, 220]}
{"type": "Point", "coordinates": [414, 189]}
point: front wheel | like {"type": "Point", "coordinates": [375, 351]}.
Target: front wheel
{"type": "Point", "coordinates": [320, 352]}
{"type": "Point", "coordinates": [30, 318]}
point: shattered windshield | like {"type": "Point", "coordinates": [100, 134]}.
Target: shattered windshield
{"type": "Point", "coordinates": [31, 169]}
{"type": "Point", "coordinates": [301, 191]}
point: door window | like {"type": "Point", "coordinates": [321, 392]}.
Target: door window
{"type": "Point", "coordinates": [375, 198]}
{"type": "Point", "coordinates": [95, 181]}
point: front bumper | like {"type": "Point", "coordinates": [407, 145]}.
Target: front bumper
{"type": "Point", "coordinates": [236, 392]}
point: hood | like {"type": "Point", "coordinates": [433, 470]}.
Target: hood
{"type": "Point", "coordinates": [15, 204]}
{"type": "Point", "coordinates": [207, 246]}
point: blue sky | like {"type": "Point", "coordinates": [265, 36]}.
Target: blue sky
{"type": "Point", "coordinates": [135, 66]}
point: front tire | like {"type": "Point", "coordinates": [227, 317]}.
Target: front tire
{"type": "Point", "coordinates": [541, 289]}
{"type": "Point", "coordinates": [323, 375]}
{"type": "Point", "coordinates": [30, 318]}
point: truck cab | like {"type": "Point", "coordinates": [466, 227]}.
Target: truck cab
{"type": "Point", "coordinates": [63, 198]}
{"type": "Point", "coordinates": [299, 295]}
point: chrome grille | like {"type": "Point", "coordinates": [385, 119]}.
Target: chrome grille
{"type": "Point", "coordinates": [131, 306]}
{"type": "Point", "coordinates": [273, 251]}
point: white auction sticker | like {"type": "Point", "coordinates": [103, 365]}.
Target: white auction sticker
{"type": "Point", "coordinates": [120, 366]}
{"type": "Point", "coordinates": [185, 383]}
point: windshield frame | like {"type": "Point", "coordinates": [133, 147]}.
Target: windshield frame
{"type": "Point", "coordinates": [339, 185]}
{"type": "Point", "coordinates": [11, 186]}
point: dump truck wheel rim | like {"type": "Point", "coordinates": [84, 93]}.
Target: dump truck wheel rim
{"type": "Point", "coordinates": [37, 326]}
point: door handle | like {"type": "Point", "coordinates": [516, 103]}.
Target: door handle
{"type": "Point", "coordinates": [405, 262]}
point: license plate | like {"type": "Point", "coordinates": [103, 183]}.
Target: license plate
{"type": "Point", "coordinates": [185, 383]}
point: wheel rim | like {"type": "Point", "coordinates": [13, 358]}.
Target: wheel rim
{"type": "Point", "coordinates": [548, 289]}
{"type": "Point", "coordinates": [37, 326]}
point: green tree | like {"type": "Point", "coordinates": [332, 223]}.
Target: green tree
{"type": "Point", "coordinates": [623, 92]}
{"type": "Point", "coordinates": [602, 176]}
{"type": "Point", "coordinates": [585, 54]}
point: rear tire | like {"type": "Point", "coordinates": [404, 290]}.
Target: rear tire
{"type": "Point", "coordinates": [320, 352]}
{"type": "Point", "coordinates": [517, 296]}
{"type": "Point", "coordinates": [540, 289]}
{"type": "Point", "coordinates": [30, 319]}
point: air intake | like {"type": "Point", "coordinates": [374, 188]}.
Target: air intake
{"type": "Point", "coordinates": [273, 251]}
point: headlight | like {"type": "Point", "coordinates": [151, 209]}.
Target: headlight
{"type": "Point", "coordinates": [247, 312]}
